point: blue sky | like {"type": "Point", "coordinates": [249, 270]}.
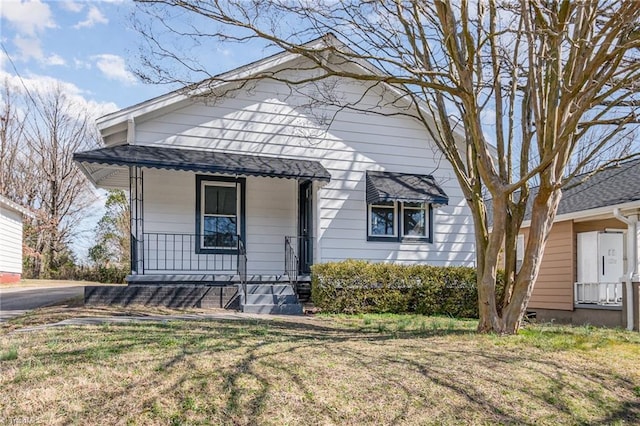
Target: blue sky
{"type": "Point", "coordinates": [87, 45]}
{"type": "Point", "coordinates": [88, 48]}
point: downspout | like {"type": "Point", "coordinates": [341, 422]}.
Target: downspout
{"type": "Point", "coordinates": [632, 260]}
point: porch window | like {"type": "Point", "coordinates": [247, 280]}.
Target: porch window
{"type": "Point", "coordinates": [219, 216]}
{"type": "Point", "coordinates": [399, 221]}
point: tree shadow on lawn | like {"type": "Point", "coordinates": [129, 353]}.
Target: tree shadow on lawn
{"type": "Point", "coordinates": [256, 358]}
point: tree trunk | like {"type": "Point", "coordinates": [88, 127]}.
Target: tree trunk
{"type": "Point", "coordinates": [508, 320]}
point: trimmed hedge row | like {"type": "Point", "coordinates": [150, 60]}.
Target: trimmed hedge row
{"type": "Point", "coordinates": [356, 286]}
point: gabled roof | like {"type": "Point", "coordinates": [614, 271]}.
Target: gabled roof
{"type": "Point", "coordinates": [10, 205]}
{"type": "Point", "coordinates": [117, 122]}
{"type": "Point", "coordinates": [183, 94]}
{"type": "Point", "coordinates": [614, 186]}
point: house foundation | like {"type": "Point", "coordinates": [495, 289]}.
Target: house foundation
{"type": "Point", "coordinates": [589, 315]}
{"type": "Point", "coordinates": [170, 296]}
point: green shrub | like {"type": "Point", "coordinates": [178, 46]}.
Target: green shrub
{"type": "Point", "coordinates": [102, 274]}
{"type": "Point", "coordinates": [356, 286]}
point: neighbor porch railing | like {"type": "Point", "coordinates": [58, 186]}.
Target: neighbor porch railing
{"type": "Point", "coordinates": [608, 294]}
{"type": "Point", "coordinates": [170, 252]}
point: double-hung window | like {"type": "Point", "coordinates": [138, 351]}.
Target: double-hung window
{"type": "Point", "coordinates": [399, 221]}
{"type": "Point", "coordinates": [219, 214]}
{"type": "Point", "coordinates": [414, 220]}
{"type": "Point", "coordinates": [382, 219]}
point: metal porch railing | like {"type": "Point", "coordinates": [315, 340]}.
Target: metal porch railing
{"type": "Point", "coordinates": [609, 294]}
{"type": "Point", "coordinates": [242, 267]}
{"type": "Point", "coordinates": [171, 252]}
{"type": "Point", "coordinates": [297, 256]}
{"type": "Point", "coordinates": [291, 260]}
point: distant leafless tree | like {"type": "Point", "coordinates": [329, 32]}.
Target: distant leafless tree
{"type": "Point", "coordinates": [38, 170]}
{"type": "Point", "coordinates": [12, 121]}
{"type": "Point", "coordinates": [538, 89]}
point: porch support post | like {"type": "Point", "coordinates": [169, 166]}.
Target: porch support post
{"type": "Point", "coordinates": [136, 205]}
{"type": "Point", "coordinates": [317, 253]}
{"type": "Point", "coordinates": [630, 301]}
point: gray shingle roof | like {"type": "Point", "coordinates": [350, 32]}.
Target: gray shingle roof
{"type": "Point", "coordinates": [204, 161]}
{"type": "Point", "coordinates": [612, 186]}
{"type": "Point", "coordinates": [389, 186]}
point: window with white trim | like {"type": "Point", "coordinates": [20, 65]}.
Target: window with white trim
{"type": "Point", "coordinates": [219, 213]}
{"type": "Point", "coordinates": [414, 220]}
{"type": "Point", "coordinates": [398, 221]}
{"type": "Point", "coordinates": [519, 251]}
{"type": "Point", "coordinates": [382, 219]}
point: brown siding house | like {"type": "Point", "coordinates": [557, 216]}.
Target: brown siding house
{"type": "Point", "coordinates": [586, 207]}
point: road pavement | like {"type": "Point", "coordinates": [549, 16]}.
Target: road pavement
{"type": "Point", "coordinates": [18, 300]}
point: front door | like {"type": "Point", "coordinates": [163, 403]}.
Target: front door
{"type": "Point", "coordinates": [305, 227]}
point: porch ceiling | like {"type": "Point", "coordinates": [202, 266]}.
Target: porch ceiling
{"type": "Point", "coordinates": [200, 161]}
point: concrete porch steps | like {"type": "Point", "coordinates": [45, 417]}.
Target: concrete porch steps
{"type": "Point", "coordinates": [266, 298]}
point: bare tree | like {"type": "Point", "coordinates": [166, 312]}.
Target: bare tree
{"type": "Point", "coordinates": [12, 119]}
{"type": "Point", "coordinates": [529, 83]}
{"type": "Point", "coordinates": [39, 132]}
{"type": "Point", "coordinates": [63, 194]}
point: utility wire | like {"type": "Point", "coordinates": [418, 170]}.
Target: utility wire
{"type": "Point", "coordinates": [26, 89]}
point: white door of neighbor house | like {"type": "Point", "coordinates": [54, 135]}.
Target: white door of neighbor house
{"type": "Point", "coordinates": [610, 257]}
{"type": "Point", "coordinates": [600, 266]}
{"type": "Point", "coordinates": [611, 260]}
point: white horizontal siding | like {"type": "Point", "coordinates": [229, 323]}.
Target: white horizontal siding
{"type": "Point", "coordinates": [271, 121]}
{"type": "Point", "coordinates": [169, 207]}
{"type": "Point", "coordinates": [10, 241]}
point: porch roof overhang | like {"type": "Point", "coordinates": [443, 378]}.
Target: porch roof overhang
{"type": "Point", "coordinates": [199, 160]}
{"type": "Point", "coordinates": [390, 186]}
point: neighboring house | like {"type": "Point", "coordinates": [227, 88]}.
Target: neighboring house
{"type": "Point", "coordinates": [260, 175]}
{"type": "Point", "coordinates": [587, 252]}
{"type": "Point", "coordinates": [11, 216]}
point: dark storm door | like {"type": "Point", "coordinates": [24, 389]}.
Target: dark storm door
{"type": "Point", "coordinates": [305, 227]}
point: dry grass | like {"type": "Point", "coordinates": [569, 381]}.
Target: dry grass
{"type": "Point", "coordinates": [329, 370]}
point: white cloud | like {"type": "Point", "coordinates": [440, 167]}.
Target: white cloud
{"type": "Point", "coordinates": [94, 17]}
{"type": "Point", "coordinates": [30, 48]}
{"type": "Point", "coordinates": [114, 68]}
{"type": "Point", "coordinates": [28, 17]}
{"type": "Point", "coordinates": [42, 85]}
{"type": "Point", "coordinates": [80, 64]}
{"type": "Point", "coordinates": [54, 59]}
{"type": "Point", "coordinates": [72, 6]}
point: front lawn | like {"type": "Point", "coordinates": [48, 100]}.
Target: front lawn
{"type": "Point", "coordinates": [370, 369]}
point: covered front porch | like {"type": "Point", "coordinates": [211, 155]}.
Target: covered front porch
{"type": "Point", "coordinates": [213, 219]}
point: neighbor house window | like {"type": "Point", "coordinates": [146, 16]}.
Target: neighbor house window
{"type": "Point", "coordinates": [219, 214]}
{"type": "Point", "coordinates": [519, 251]}
{"type": "Point", "coordinates": [399, 221]}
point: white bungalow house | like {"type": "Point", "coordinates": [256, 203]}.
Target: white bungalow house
{"type": "Point", "coordinates": [11, 216]}
{"type": "Point", "coordinates": [257, 185]}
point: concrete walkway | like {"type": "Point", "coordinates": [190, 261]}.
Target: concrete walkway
{"type": "Point", "coordinates": [16, 301]}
